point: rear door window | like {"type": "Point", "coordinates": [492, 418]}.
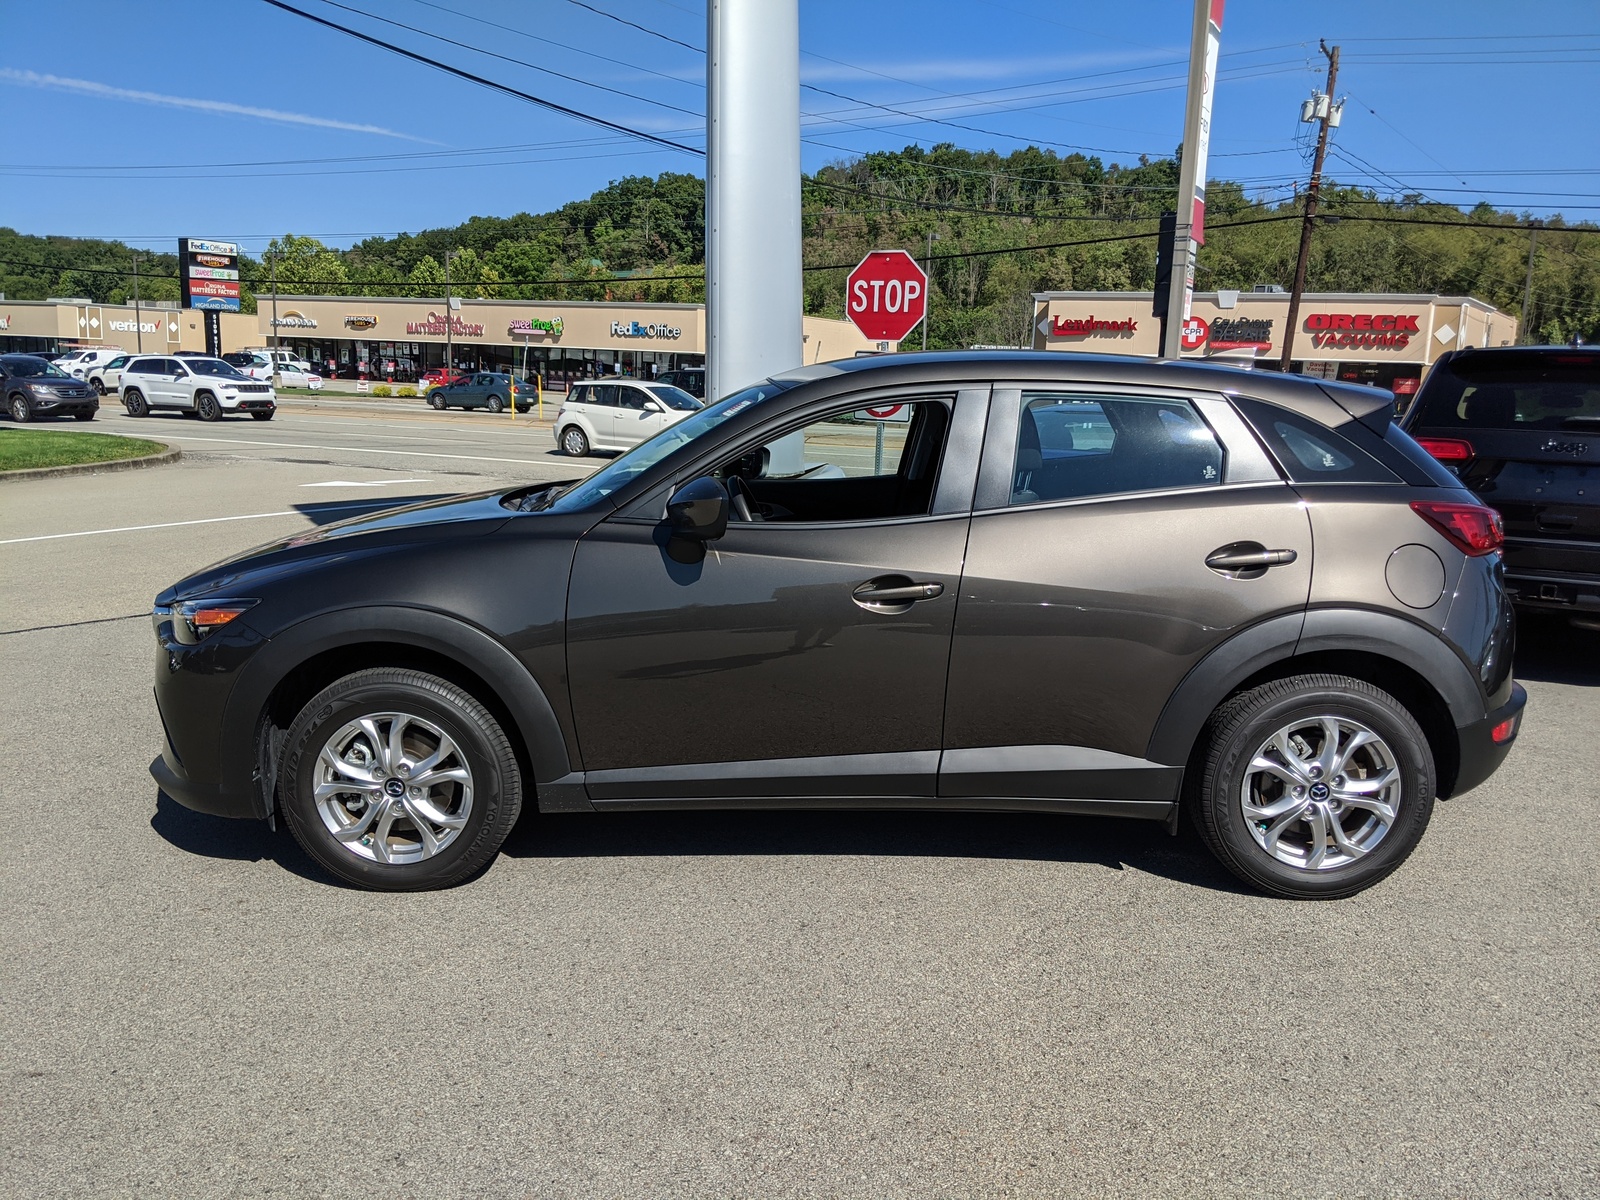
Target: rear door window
{"type": "Point", "coordinates": [603, 394]}
{"type": "Point", "coordinates": [1512, 390]}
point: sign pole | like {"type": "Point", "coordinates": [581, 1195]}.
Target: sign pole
{"type": "Point", "coordinates": [1189, 234]}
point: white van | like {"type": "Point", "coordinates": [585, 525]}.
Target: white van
{"type": "Point", "coordinates": [79, 363]}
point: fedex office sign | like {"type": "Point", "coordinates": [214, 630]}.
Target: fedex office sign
{"type": "Point", "coordinates": [1366, 331]}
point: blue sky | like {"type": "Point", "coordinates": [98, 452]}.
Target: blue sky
{"type": "Point", "coordinates": [120, 115]}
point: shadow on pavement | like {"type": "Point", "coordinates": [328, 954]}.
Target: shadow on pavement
{"type": "Point", "coordinates": [1551, 650]}
{"type": "Point", "coordinates": [1115, 845]}
{"type": "Point", "coordinates": [241, 841]}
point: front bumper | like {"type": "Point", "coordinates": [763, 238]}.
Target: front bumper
{"type": "Point", "coordinates": [54, 405]}
{"type": "Point", "coordinates": [253, 404]}
{"type": "Point", "coordinates": [1480, 754]}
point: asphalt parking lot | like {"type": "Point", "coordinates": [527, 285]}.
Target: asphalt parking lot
{"type": "Point", "coordinates": [731, 1004]}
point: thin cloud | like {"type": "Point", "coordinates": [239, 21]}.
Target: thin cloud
{"type": "Point", "coordinates": [90, 87]}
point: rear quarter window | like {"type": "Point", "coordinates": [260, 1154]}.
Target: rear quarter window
{"type": "Point", "coordinates": [1310, 452]}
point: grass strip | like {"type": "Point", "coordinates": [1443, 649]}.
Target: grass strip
{"type": "Point", "coordinates": [24, 449]}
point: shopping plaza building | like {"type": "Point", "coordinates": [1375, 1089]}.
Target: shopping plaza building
{"type": "Point", "coordinates": [1387, 341]}
{"type": "Point", "coordinates": [399, 339]}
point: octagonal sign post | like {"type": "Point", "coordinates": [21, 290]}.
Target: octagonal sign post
{"type": "Point", "coordinates": [886, 295]}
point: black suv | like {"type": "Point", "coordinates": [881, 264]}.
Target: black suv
{"type": "Point", "coordinates": [34, 387]}
{"type": "Point", "coordinates": [1521, 428]}
{"type": "Point", "coordinates": [1022, 581]}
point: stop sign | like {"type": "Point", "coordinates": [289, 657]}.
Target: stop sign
{"type": "Point", "coordinates": [886, 295]}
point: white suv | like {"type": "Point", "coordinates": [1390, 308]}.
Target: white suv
{"type": "Point", "coordinates": [79, 363]}
{"type": "Point", "coordinates": [615, 416]}
{"type": "Point", "coordinates": [207, 387]}
{"type": "Point", "coordinates": [107, 377]}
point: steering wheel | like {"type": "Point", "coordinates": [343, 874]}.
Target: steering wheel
{"type": "Point", "coordinates": [742, 500]}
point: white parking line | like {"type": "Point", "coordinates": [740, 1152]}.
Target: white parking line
{"type": "Point", "coordinates": [527, 462]}
{"type": "Point", "coordinates": [49, 537]}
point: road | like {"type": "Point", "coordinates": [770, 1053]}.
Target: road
{"type": "Point", "coordinates": [731, 1004]}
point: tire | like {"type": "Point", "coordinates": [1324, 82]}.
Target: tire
{"type": "Point", "coordinates": [437, 401]}
{"type": "Point", "coordinates": [261, 416]}
{"type": "Point", "coordinates": [20, 407]}
{"type": "Point", "coordinates": [133, 400]}
{"type": "Point", "coordinates": [486, 802]}
{"type": "Point", "coordinates": [574, 442]}
{"type": "Point", "coordinates": [83, 416]}
{"type": "Point", "coordinates": [496, 405]}
{"type": "Point", "coordinates": [99, 387]}
{"type": "Point", "coordinates": [1275, 847]}
{"type": "Point", "coordinates": [207, 408]}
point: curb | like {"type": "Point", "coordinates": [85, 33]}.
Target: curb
{"type": "Point", "coordinates": [171, 455]}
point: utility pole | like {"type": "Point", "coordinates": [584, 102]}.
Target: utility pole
{"type": "Point", "coordinates": [138, 318]}
{"type": "Point", "coordinates": [272, 267]}
{"type": "Point", "coordinates": [1321, 108]}
{"type": "Point", "coordinates": [1189, 232]}
{"type": "Point", "coordinates": [448, 356]}
{"type": "Point", "coordinates": [927, 269]}
{"type": "Point", "coordinates": [1523, 337]}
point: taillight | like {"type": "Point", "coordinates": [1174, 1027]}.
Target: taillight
{"type": "Point", "coordinates": [1449, 450]}
{"type": "Point", "coordinates": [1471, 528]}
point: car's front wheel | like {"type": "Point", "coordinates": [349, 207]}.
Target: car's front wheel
{"type": "Point", "coordinates": [99, 386]}
{"type": "Point", "coordinates": [206, 406]}
{"type": "Point", "coordinates": [399, 781]}
{"type": "Point", "coordinates": [437, 401]}
{"type": "Point", "coordinates": [1314, 787]}
{"type": "Point", "coordinates": [574, 441]}
{"type": "Point", "coordinates": [21, 410]}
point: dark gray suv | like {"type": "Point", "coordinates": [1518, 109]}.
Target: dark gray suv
{"type": "Point", "coordinates": [34, 387]}
{"type": "Point", "coordinates": [1039, 582]}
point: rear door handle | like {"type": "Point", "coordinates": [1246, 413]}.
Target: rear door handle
{"type": "Point", "coordinates": [894, 590]}
{"type": "Point", "coordinates": [1248, 557]}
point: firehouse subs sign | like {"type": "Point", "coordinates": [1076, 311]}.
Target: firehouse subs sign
{"type": "Point", "coordinates": [1361, 331]}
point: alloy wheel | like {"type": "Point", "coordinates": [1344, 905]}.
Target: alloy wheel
{"type": "Point", "coordinates": [574, 443]}
{"type": "Point", "coordinates": [1321, 792]}
{"type": "Point", "coordinates": [20, 411]}
{"type": "Point", "coordinates": [393, 788]}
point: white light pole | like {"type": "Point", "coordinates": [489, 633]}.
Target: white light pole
{"type": "Point", "coordinates": [753, 280]}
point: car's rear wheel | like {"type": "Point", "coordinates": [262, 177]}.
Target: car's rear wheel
{"type": "Point", "coordinates": [1314, 787]}
{"type": "Point", "coordinates": [21, 409]}
{"type": "Point", "coordinates": [496, 404]}
{"type": "Point", "coordinates": [399, 781]}
{"type": "Point", "coordinates": [133, 400]}
{"type": "Point", "coordinates": [574, 441]}
{"type": "Point", "coordinates": [437, 401]}
{"type": "Point", "coordinates": [207, 408]}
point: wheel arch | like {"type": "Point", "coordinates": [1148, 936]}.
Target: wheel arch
{"type": "Point", "coordinates": [300, 661]}
{"type": "Point", "coordinates": [1409, 661]}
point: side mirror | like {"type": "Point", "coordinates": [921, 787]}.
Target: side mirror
{"type": "Point", "coordinates": [699, 510]}
{"type": "Point", "coordinates": [653, 406]}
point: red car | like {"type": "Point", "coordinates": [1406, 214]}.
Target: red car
{"type": "Point", "coordinates": [438, 377]}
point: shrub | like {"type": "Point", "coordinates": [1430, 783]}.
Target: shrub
{"type": "Point", "coordinates": [405, 391]}
{"type": "Point", "coordinates": [383, 389]}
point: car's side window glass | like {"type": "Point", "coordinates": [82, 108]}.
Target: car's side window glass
{"type": "Point", "coordinates": [603, 394]}
{"type": "Point", "coordinates": [1311, 452]}
{"type": "Point", "coordinates": [631, 398]}
{"type": "Point", "coordinates": [1071, 445]}
{"type": "Point", "coordinates": [860, 464]}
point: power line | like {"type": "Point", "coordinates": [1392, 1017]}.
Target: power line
{"type": "Point", "coordinates": [574, 113]}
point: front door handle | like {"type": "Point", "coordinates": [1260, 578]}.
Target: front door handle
{"type": "Point", "coordinates": [894, 591]}
{"type": "Point", "coordinates": [1247, 560]}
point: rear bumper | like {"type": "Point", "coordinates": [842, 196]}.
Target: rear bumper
{"type": "Point", "coordinates": [1481, 755]}
{"type": "Point", "coordinates": [1554, 590]}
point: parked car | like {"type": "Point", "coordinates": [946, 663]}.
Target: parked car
{"type": "Point", "coordinates": [35, 387]}
{"type": "Point", "coordinates": [258, 365]}
{"type": "Point", "coordinates": [615, 416]}
{"type": "Point", "coordinates": [286, 360]}
{"type": "Point", "coordinates": [79, 363]}
{"type": "Point", "coordinates": [1244, 596]}
{"type": "Point", "coordinates": [1521, 428]}
{"type": "Point", "coordinates": [438, 377]}
{"type": "Point", "coordinates": [481, 389]}
{"type": "Point", "coordinates": [690, 379]}
{"type": "Point", "coordinates": [207, 387]}
{"type": "Point", "coordinates": [107, 377]}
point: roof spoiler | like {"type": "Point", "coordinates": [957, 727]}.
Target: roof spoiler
{"type": "Point", "coordinates": [1373, 407]}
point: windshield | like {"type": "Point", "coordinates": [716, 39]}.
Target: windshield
{"type": "Point", "coordinates": [1536, 390]}
{"type": "Point", "coordinates": [215, 366]}
{"type": "Point", "coordinates": [623, 470]}
{"type": "Point", "coordinates": [675, 397]}
{"type": "Point", "coordinates": [28, 368]}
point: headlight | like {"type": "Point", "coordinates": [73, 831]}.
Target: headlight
{"type": "Point", "coordinates": [193, 619]}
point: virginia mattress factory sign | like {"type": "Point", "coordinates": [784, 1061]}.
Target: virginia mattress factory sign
{"type": "Point", "coordinates": [438, 324]}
